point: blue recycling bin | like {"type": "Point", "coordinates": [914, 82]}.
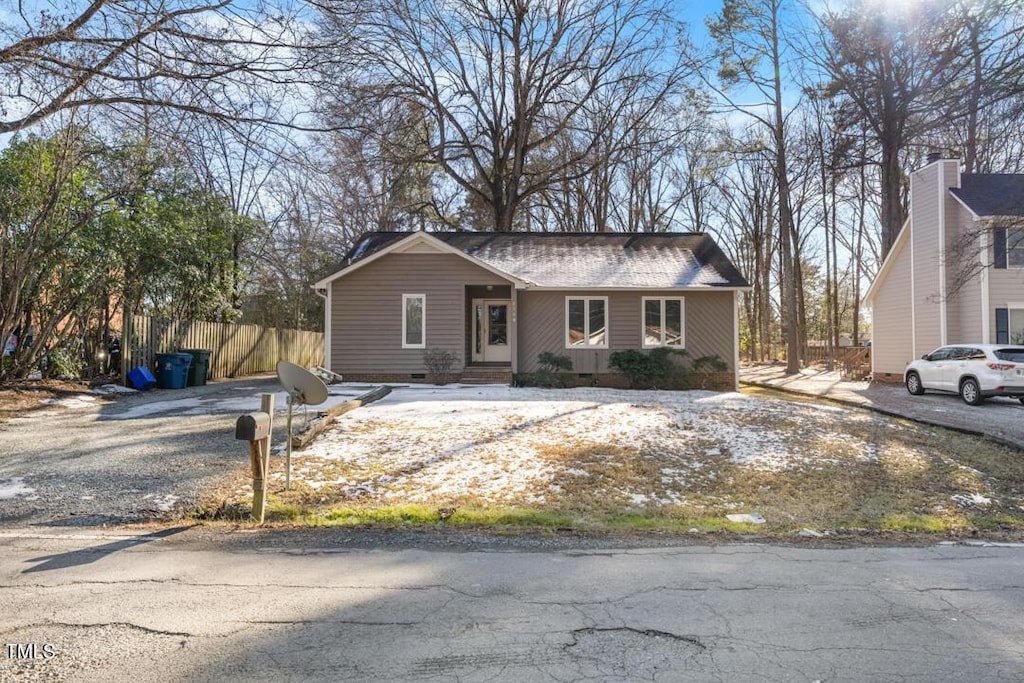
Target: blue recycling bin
{"type": "Point", "coordinates": [172, 370]}
{"type": "Point", "coordinates": [141, 378]}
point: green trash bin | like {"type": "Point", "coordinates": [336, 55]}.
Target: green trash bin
{"type": "Point", "coordinates": [200, 368]}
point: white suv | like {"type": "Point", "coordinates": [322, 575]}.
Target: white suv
{"type": "Point", "coordinates": [975, 371]}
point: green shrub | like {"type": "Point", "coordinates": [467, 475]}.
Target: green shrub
{"type": "Point", "coordinates": [551, 373]}
{"type": "Point", "coordinates": [553, 362]}
{"type": "Point", "coordinates": [68, 361]}
{"type": "Point", "coordinates": [655, 369]}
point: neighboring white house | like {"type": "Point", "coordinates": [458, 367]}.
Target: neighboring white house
{"type": "Point", "coordinates": [956, 271]}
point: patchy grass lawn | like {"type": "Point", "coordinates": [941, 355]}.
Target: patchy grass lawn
{"type": "Point", "coordinates": [673, 461]}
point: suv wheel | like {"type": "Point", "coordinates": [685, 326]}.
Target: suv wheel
{"type": "Point", "coordinates": [914, 385]}
{"type": "Point", "coordinates": [970, 392]}
{"type": "Point", "coordinates": [1021, 399]}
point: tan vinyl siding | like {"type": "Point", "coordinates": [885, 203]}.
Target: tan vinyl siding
{"type": "Point", "coordinates": [366, 316]}
{"type": "Point", "coordinates": [954, 253]}
{"type": "Point", "coordinates": [967, 302]}
{"type": "Point", "coordinates": [708, 326]}
{"type": "Point", "coordinates": [891, 345]}
{"type": "Point", "coordinates": [1006, 286]}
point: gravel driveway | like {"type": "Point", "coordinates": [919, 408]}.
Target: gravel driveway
{"type": "Point", "coordinates": [134, 458]}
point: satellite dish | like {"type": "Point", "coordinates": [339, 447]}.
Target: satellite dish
{"type": "Point", "coordinates": [304, 388]}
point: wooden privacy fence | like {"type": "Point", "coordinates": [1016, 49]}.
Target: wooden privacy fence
{"type": "Point", "coordinates": [236, 350]}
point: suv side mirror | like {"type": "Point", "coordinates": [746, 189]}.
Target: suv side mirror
{"type": "Point", "coordinates": [926, 356]}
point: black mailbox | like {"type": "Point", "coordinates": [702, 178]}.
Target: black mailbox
{"type": "Point", "coordinates": [252, 427]}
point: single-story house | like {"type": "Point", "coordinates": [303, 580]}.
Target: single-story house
{"type": "Point", "coordinates": [498, 300]}
{"type": "Point", "coordinates": [956, 271]}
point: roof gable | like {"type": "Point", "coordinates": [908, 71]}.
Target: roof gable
{"type": "Point", "coordinates": [375, 245]}
{"type": "Point", "coordinates": [572, 260]}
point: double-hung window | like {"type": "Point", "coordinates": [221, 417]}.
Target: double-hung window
{"type": "Point", "coordinates": [663, 321]}
{"type": "Point", "coordinates": [1015, 248]}
{"type": "Point", "coordinates": [1016, 324]}
{"type": "Point", "coordinates": [414, 321]}
{"type": "Point", "coordinates": [586, 322]}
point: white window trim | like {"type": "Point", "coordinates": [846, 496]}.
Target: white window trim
{"type": "Point", "coordinates": [423, 336]}
{"type": "Point", "coordinates": [1010, 307]}
{"type": "Point", "coordinates": [586, 322]}
{"type": "Point", "coordinates": [682, 321]}
{"type": "Point", "coordinates": [1012, 266]}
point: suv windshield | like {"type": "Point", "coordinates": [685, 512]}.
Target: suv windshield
{"type": "Point", "coordinates": [1014, 355]}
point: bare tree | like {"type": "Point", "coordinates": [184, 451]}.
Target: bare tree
{"type": "Point", "coordinates": [199, 57]}
{"type": "Point", "coordinates": [747, 216]}
{"type": "Point", "coordinates": [516, 95]}
{"type": "Point", "coordinates": [912, 72]}
{"type": "Point", "coordinates": [751, 51]}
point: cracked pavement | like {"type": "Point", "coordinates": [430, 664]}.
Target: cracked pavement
{"type": "Point", "coordinates": [194, 604]}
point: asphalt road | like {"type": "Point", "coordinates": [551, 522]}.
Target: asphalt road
{"type": "Point", "coordinates": [193, 605]}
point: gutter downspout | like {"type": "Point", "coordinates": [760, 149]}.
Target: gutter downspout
{"type": "Point", "coordinates": [325, 294]}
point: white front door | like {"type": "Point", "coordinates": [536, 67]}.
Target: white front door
{"type": "Point", "coordinates": [491, 330]}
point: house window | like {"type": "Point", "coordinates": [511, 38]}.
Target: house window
{"type": "Point", "coordinates": [586, 322]}
{"type": "Point", "coordinates": [1016, 320]}
{"type": "Point", "coordinates": [1015, 248]}
{"type": "Point", "coordinates": [414, 308]}
{"type": "Point", "coordinates": [663, 321]}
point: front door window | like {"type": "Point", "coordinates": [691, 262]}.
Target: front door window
{"type": "Point", "coordinates": [478, 329]}
{"type": "Point", "coordinates": [497, 324]}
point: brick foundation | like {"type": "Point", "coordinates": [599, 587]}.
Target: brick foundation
{"type": "Point", "coordinates": [383, 378]}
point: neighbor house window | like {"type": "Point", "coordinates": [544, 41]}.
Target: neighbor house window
{"type": "Point", "coordinates": [1015, 248]}
{"type": "Point", "coordinates": [586, 322]}
{"type": "Point", "coordinates": [1016, 320]}
{"type": "Point", "coordinates": [414, 308]}
{"type": "Point", "coordinates": [663, 321]}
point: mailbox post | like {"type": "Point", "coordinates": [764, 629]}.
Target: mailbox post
{"type": "Point", "coordinates": [256, 429]}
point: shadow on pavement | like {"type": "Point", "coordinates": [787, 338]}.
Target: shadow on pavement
{"type": "Point", "coordinates": [83, 556]}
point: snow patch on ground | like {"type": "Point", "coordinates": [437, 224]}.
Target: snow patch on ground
{"type": "Point", "coordinates": [14, 487]}
{"type": "Point", "coordinates": [162, 503]}
{"type": "Point", "coordinates": [971, 500]}
{"type": "Point", "coordinates": [523, 445]}
{"type": "Point", "coordinates": [112, 389]}
{"type": "Point", "coordinates": [77, 401]}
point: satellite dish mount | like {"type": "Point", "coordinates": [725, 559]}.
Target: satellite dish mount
{"type": "Point", "coordinates": [303, 388]}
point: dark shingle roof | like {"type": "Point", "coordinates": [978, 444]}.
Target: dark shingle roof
{"type": "Point", "coordinates": [573, 260]}
{"type": "Point", "coordinates": [992, 194]}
